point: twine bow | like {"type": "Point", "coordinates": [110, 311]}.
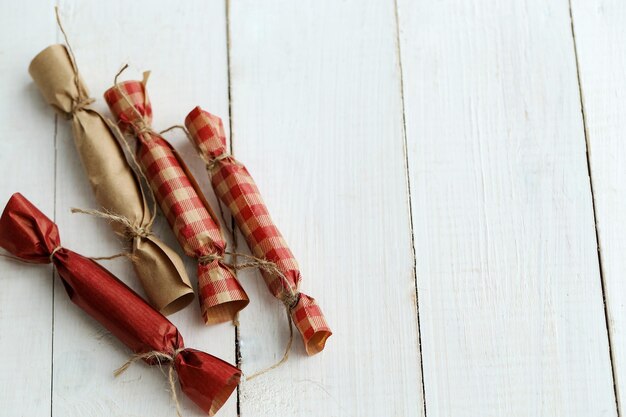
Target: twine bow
{"type": "Point", "coordinates": [160, 357]}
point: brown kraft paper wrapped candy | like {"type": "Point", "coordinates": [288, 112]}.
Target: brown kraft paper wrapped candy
{"type": "Point", "coordinates": [32, 237]}
{"type": "Point", "coordinates": [116, 186]}
{"type": "Point", "coordinates": [234, 185]}
{"type": "Point", "coordinates": [182, 202]}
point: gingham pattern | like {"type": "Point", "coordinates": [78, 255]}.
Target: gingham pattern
{"type": "Point", "coordinates": [196, 230]}
{"type": "Point", "coordinates": [236, 188]}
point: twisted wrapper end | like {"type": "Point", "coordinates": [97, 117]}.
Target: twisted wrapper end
{"type": "Point", "coordinates": [205, 379]}
{"type": "Point", "coordinates": [206, 132]}
{"type": "Point", "coordinates": [131, 106]}
{"type": "Point", "coordinates": [221, 294]}
{"type": "Point", "coordinates": [26, 233]}
{"type": "Point", "coordinates": [310, 322]}
{"type": "Point", "coordinates": [61, 87]}
{"type": "Point", "coordinates": [311, 325]}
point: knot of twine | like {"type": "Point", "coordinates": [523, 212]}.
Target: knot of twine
{"type": "Point", "coordinates": [160, 357]}
{"type": "Point", "coordinates": [289, 296]}
{"type": "Point", "coordinates": [212, 163]}
{"type": "Point", "coordinates": [290, 299]}
{"type": "Point", "coordinates": [207, 259]}
{"type": "Point", "coordinates": [141, 126]}
{"type": "Point", "coordinates": [79, 104]}
{"type": "Point", "coordinates": [131, 230]}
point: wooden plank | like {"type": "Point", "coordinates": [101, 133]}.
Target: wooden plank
{"type": "Point", "coordinates": [599, 30]}
{"type": "Point", "coordinates": [317, 119]}
{"type": "Point", "coordinates": [185, 46]}
{"type": "Point", "coordinates": [510, 295]}
{"type": "Point", "coordinates": [27, 166]}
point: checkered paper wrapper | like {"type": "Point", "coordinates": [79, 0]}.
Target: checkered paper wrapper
{"type": "Point", "coordinates": [29, 235]}
{"type": "Point", "coordinates": [183, 204]}
{"type": "Point", "coordinates": [116, 186]}
{"type": "Point", "coordinates": [235, 187]}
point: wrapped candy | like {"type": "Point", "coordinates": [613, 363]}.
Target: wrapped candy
{"type": "Point", "coordinates": [187, 211]}
{"type": "Point", "coordinates": [235, 187]}
{"type": "Point", "coordinates": [31, 236]}
{"type": "Point", "coordinates": [117, 189]}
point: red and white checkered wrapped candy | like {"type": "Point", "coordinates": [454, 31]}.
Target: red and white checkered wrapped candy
{"type": "Point", "coordinates": [236, 188]}
{"type": "Point", "coordinates": [187, 211]}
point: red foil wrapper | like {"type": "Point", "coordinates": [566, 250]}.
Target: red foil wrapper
{"type": "Point", "coordinates": [234, 185]}
{"type": "Point", "coordinates": [29, 235]}
{"type": "Point", "coordinates": [195, 225]}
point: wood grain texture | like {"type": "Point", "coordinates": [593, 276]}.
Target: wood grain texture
{"type": "Point", "coordinates": [185, 46]}
{"type": "Point", "coordinates": [509, 286]}
{"type": "Point", "coordinates": [510, 295]}
{"type": "Point", "coordinates": [27, 154]}
{"type": "Point", "coordinates": [601, 45]}
{"type": "Point", "coordinates": [317, 119]}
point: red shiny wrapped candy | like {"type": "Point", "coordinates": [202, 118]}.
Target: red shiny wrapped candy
{"type": "Point", "coordinates": [29, 235]}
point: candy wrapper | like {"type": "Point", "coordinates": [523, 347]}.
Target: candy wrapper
{"type": "Point", "coordinates": [29, 235]}
{"type": "Point", "coordinates": [235, 187]}
{"type": "Point", "coordinates": [117, 189]}
{"type": "Point", "coordinates": [187, 211]}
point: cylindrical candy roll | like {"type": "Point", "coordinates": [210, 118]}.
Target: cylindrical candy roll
{"type": "Point", "coordinates": [236, 188]}
{"type": "Point", "coordinates": [28, 234]}
{"type": "Point", "coordinates": [182, 202]}
{"type": "Point", "coordinates": [116, 187]}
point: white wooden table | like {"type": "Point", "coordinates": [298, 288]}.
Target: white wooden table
{"type": "Point", "coordinates": [450, 174]}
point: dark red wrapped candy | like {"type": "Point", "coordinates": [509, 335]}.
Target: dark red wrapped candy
{"type": "Point", "coordinates": [28, 234]}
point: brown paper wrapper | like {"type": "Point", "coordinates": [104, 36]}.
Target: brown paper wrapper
{"type": "Point", "coordinates": [116, 186]}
